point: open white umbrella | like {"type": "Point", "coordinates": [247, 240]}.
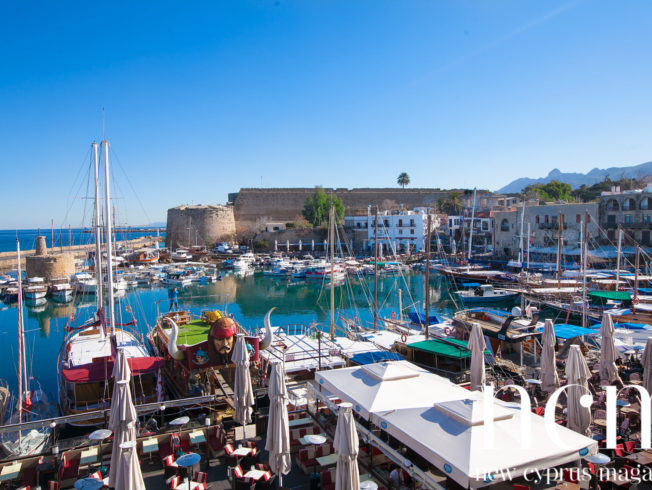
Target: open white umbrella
{"type": "Point", "coordinates": [549, 376]}
{"type": "Point", "coordinates": [122, 421]}
{"type": "Point", "coordinates": [278, 425]}
{"type": "Point", "coordinates": [607, 366]}
{"type": "Point", "coordinates": [477, 345]}
{"type": "Point", "coordinates": [243, 393]}
{"type": "Point", "coordinates": [346, 446]}
{"type": "Point", "coordinates": [577, 373]}
{"type": "Point", "coordinates": [646, 361]}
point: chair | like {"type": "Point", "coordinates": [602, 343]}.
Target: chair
{"type": "Point", "coordinates": [630, 446]}
{"type": "Point", "coordinates": [262, 467]}
{"type": "Point", "coordinates": [570, 476]}
{"type": "Point", "coordinates": [200, 477]}
{"type": "Point", "coordinates": [230, 460]}
{"type": "Point", "coordinates": [244, 484]}
{"type": "Point", "coordinates": [520, 487]}
{"type": "Point", "coordinates": [170, 466]}
{"type": "Point", "coordinates": [53, 485]}
{"type": "Point", "coordinates": [70, 468]}
{"type": "Point", "coordinates": [97, 475]}
{"type": "Point", "coordinates": [539, 411]}
{"type": "Point", "coordinates": [267, 482]}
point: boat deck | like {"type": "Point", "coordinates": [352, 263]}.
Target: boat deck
{"type": "Point", "coordinates": [87, 346]}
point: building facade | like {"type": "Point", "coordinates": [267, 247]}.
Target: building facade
{"type": "Point", "coordinates": [543, 224]}
{"type": "Point", "coordinates": [631, 210]}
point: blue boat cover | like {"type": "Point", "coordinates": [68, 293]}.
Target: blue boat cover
{"type": "Point", "coordinates": [645, 290]}
{"type": "Point", "coordinates": [470, 284]}
{"type": "Point", "coordinates": [376, 356]}
{"type": "Point", "coordinates": [419, 318]}
{"type": "Point", "coordinates": [490, 311]}
{"type": "Point", "coordinates": [565, 331]}
{"type": "Point", "coordinates": [633, 326]}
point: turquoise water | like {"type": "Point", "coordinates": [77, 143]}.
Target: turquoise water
{"type": "Point", "coordinates": [248, 298]}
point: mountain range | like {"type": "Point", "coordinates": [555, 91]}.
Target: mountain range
{"type": "Point", "coordinates": [577, 179]}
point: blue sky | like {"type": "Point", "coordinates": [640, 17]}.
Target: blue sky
{"type": "Point", "coordinates": [203, 98]}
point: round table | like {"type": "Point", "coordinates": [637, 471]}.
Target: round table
{"type": "Point", "coordinates": [315, 440]}
{"type": "Point", "coordinates": [88, 484]}
{"type": "Point", "coordinates": [368, 485]}
{"type": "Point", "coordinates": [179, 421]}
{"type": "Point", "coordinates": [186, 461]}
{"type": "Point", "coordinates": [598, 458]}
{"type": "Point", "coordinates": [533, 381]}
{"type": "Point", "coordinates": [622, 403]}
{"type": "Point", "coordinates": [99, 436]}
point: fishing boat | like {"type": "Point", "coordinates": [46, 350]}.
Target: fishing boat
{"type": "Point", "coordinates": [36, 288]}
{"type": "Point", "coordinates": [485, 294]}
{"type": "Point", "coordinates": [61, 290]}
{"type": "Point", "coordinates": [180, 255]}
{"type": "Point", "coordinates": [88, 352]}
{"type": "Point", "coordinates": [84, 283]}
{"type": "Point", "coordinates": [29, 403]}
{"type": "Point", "coordinates": [197, 351]}
{"type": "Point", "coordinates": [143, 257]}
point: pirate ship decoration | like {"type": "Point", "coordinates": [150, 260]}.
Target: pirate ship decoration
{"type": "Point", "coordinates": [197, 350]}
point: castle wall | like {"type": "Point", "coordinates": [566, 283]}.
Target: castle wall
{"type": "Point", "coordinates": [201, 224]}
{"type": "Point", "coordinates": [54, 266]}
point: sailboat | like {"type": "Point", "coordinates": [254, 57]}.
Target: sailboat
{"type": "Point", "coordinates": [30, 402]}
{"type": "Point", "coordinates": [88, 351]}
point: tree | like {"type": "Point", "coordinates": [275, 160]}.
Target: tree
{"type": "Point", "coordinates": [317, 208]}
{"type": "Point", "coordinates": [403, 179]}
{"type": "Point", "coordinates": [552, 191]}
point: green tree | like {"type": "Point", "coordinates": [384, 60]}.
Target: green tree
{"type": "Point", "coordinates": [403, 179]}
{"type": "Point", "coordinates": [552, 191]}
{"type": "Point", "coordinates": [317, 207]}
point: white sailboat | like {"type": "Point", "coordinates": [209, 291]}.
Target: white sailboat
{"type": "Point", "coordinates": [87, 353]}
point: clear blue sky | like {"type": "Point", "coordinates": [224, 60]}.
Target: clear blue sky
{"type": "Point", "coordinates": [203, 98]}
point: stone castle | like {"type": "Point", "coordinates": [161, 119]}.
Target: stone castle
{"type": "Point", "coordinates": [250, 209]}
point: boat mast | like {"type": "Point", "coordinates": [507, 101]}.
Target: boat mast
{"type": "Point", "coordinates": [21, 340]}
{"type": "Point", "coordinates": [376, 270]}
{"type": "Point", "coordinates": [332, 234]}
{"type": "Point", "coordinates": [427, 279]}
{"type": "Point", "coordinates": [98, 232]}
{"type": "Point", "coordinates": [638, 254]}
{"type": "Point", "coordinates": [528, 246]}
{"type": "Point", "coordinates": [471, 228]}
{"type": "Point", "coordinates": [520, 247]}
{"type": "Point", "coordinates": [561, 217]}
{"type": "Point", "coordinates": [108, 233]}
{"type": "Point", "coordinates": [583, 244]}
{"type": "Point", "coordinates": [620, 245]}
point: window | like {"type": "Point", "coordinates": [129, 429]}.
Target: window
{"type": "Point", "coordinates": [411, 222]}
{"type": "Point", "coordinates": [646, 203]}
{"type": "Point", "coordinates": [536, 219]}
{"type": "Point", "coordinates": [412, 231]}
{"type": "Point", "coordinates": [578, 218]}
{"type": "Point", "coordinates": [628, 218]}
{"type": "Point", "coordinates": [400, 223]}
{"type": "Point", "coordinates": [504, 225]}
{"type": "Point", "coordinates": [611, 219]}
{"type": "Point", "coordinates": [386, 223]}
{"type": "Point", "coordinates": [546, 219]}
{"type": "Point", "coordinates": [612, 205]}
{"type": "Point", "coordinates": [629, 205]}
{"type": "Point", "coordinates": [646, 218]}
{"type": "Point", "coordinates": [485, 226]}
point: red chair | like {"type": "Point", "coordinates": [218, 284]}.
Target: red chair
{"type": "Point", "coordinates": [570, 476]}
{"type": "Point", "coordinates": [53, 485]}
{"type": "Point", "coordinates": [539, 411]}
{"type": "Point", "coordinates": [521, 487]}
{"type": "Point", "coordinates": [70, 468]}
{"type": "Point", "coordinates": [620, 450]}
{"type": "Point", "coordinates": [200, 477]}
{"type": "Point", "coordinates": [630, 446]}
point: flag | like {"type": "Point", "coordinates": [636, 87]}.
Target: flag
{"type": "Point", "coordinates": [159, 387]}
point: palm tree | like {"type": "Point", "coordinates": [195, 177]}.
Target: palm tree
{"type": "Point", "coordinates": [403, 179]}
{"type": "Point", "coordinates": [455, 201]}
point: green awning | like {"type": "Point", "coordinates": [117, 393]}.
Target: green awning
{"type": "Point", "coordinates": [611, 295]}
{"type": "Point", "coordinates": [454, 348]}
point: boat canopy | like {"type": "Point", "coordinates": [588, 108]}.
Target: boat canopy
{"type": "Point", "coordinates": [565, 331]}
{"type": "Point", "coordinates": [99, 371]}
{"type": "Point", "coordinates": [611, 295]}
{"type": "Point", "coordinates": [453, 348]}
{"type": "Point", "coordinates": [419, 318]}
{"type": "Point", "coordinates": [376, 356]}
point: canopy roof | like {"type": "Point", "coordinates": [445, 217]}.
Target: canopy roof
{"type": "Point", "coordinates": [451, 436]}
{"type": "Point", "coordinates": [455, 348]}
{"type": "Point", "coordinates": [613, 295]}
{"type": "Point", "coordinates": [387, 386]}
{"type": "Point", "coordinates": [375, 356]}
{"type": "Point", "coordinates": [565, 331]}
{"type": "Point", "coordinates": [97, 371]}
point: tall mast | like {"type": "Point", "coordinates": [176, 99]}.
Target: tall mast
{"type": "Point", "coordinates": [638, 254]}
{"type": "Point", "coordinates": [21, 340]}
{"type": "Point", "coordinates": [376, 270]}
{"type": "Point", "coordinates": [332, 234]}
{"type": "Point", "coordinates": [585, 251]}
{"type": "Point", "coordinates": [561, 217]}
{"type": "Point", "coordinates": [620, 248]}
{"type": "Point", "coordinates": [427, 279]}
{"type": "Point", "coordinates": [98, 231]}
{"type": "Point", "coordinates": [520, 248]}
{"type": "Point", "coordinates": [528, 246]}
{"type": "Point", "coordinates": [108, 233]}
{"type": "Point", "coordinates": [471, 228]}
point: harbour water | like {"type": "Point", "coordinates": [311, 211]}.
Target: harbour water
{"type": "Point", "coordinates": [77, 236]}
{"type": "Point", "coordinates": [247, 298]}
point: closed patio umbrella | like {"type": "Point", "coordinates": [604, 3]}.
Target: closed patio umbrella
{"type": "Point", "coordinates": [549, 376]}
{"type": "Point", "coordinates": [346, 446]}
{"type": "Point", "coordinates": [122, 421]}
{"type": "Point", "coordinates": [607, 366]}
{"type": "Point", "coordinates": [278, 425]}
{"type": "Point", "coordinates": [243, 393]}
{"type": "Point", "coordinates": [646, 361]}
{"type": "Point", "coordinates": [477, 345]}
{"type": "Point", "coordinates": [577, 373]}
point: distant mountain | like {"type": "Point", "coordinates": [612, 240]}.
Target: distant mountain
{"type": "Point", "coordinates": [576, 179]}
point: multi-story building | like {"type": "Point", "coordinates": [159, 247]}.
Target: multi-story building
{"type": "Point", "coordinates": [489, 202]}
{"type": "Point", "coordinates": [483, 227]}
{"type": "Point", "coordinates": [399, 230]}
{"type": "Point", "coordinates": [631, 210]}
{"type": "Point", "coordinates": [543, 224]}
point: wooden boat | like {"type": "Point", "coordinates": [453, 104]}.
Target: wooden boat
{"type": "Point", "coordinates": [143, 257]}
{"type": "Point", "coordinates": [197, 351]}
{"type": "Point", "coordinates": [486, 294]}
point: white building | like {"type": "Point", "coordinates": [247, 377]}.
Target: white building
{"type": "Point", "coordinates": [398, 230]}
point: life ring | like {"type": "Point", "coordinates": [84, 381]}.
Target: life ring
{"type": "Point", "coordinates": [403, 338]}
{"type": "Point", "coordinates": [393, 316]}
{"type": "Point", "coordinates": [447, 331]}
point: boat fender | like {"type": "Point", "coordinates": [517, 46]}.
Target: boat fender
{"type": "Point", "coordinates": [403, 338]}
{"type": "Point", "coordinates": [393, 315]}
{"type": "Point", "coordinates": [176, 354]}
{"type": "Point", "coordinates": [269, 336]}
{"type": "Point", "coordinates": [447, 331]}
